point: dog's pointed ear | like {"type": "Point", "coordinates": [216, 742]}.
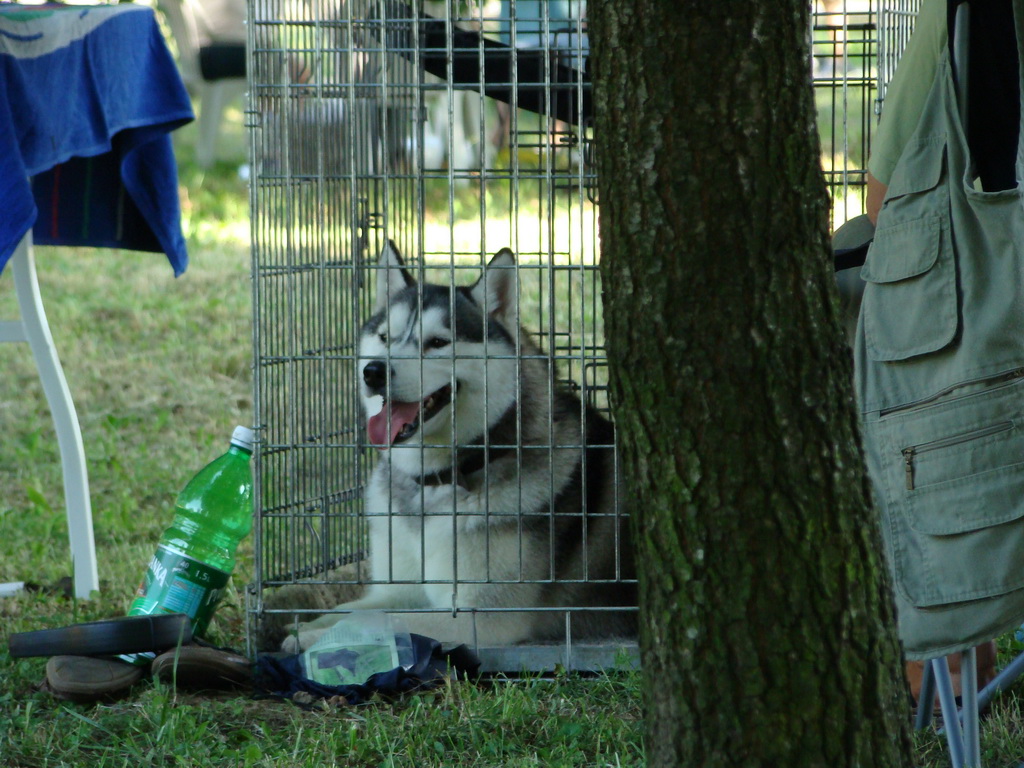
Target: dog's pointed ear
{"type": "Point", "coordinates": [392, 276]}
{"type": "Point", "coordinates": [495, 291]}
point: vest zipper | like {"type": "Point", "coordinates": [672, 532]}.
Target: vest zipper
{"type": "Point", "coordinates": [914, 450]}
{"type": "Point", "coordinates": [1001, 378]}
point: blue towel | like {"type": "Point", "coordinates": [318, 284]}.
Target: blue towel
{"type": "Point", "coordinates": [97, 146]}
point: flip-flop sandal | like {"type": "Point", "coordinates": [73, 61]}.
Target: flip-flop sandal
{"type": "Point", "coordinates": [107, 637]}
{"type": "Point", "coordinates": [203, 668]}
{"type": "Point", "coordinates": [86, 679]}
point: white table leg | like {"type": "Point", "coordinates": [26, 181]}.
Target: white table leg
{"type": "Point", "coordinates": [34, 329]}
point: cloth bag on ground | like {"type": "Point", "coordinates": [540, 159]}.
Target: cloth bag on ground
{"type": "Point", "coordinates": [282, 676]}
{"type": "Point", "coordinates": [940, 381]}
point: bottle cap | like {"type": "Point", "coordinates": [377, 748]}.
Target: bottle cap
{"type": "Point", "coordinates": [243, 437]}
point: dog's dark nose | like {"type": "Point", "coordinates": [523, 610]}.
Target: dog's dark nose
{"type": "Point", "coordinates": [375, 374]}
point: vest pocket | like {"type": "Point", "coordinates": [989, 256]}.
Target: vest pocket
{"type": "Point", "coordinates": [954, 478]}
{"type": "Point", "coordinates": [919, 169]}
{"type": "Point", "coordinates": [910, 300]}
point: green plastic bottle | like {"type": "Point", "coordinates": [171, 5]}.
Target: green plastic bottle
{"type": "Point", "coordinates": [196, 554]}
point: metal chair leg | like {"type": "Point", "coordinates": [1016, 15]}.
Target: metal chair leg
{"type": "Point", "coordinates": [969, 708]}
{"type": "Point", "coordinates": [1006, 677]}
{"type": "Point", "coordinates": [925, 698]}
{"type": "Point", "coordinates": [947, 701]}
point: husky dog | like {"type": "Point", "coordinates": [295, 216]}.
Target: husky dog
{"type": "Point", "coordinates": [483, 496]}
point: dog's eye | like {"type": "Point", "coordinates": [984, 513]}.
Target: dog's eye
{"type": "Point", "coordinates": [383, 338]}
{"type": "Point", "coordinates": [438, 343]}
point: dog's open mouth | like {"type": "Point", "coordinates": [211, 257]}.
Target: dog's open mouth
{"type": "Point", "coordinates": [398, 421]}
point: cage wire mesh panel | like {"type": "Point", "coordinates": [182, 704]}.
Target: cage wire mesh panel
{"type": "Point", "coordinates": [896, 23]}
{"type": "Point", "coordinates": [453, 129]}
{"type": "Point", "coordinates": [855, 47]}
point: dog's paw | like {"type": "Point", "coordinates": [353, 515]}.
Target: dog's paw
{"type": "Point", "coordinates": [443, 499]}
{"type": "Point", "coordinates": [308, 636]}
{"type": "Point", "coordinates": [291, 644]}
{"type": "Point", "coordinates": [304, 639]}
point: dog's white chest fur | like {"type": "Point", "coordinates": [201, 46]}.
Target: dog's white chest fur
{"type": "Point", "coordinates": [435, 535]}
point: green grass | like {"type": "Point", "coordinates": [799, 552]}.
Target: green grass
{"type": "Point", "coordinates": [567, 722]}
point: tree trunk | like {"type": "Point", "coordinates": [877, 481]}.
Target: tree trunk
{"type": "Point", "coordinates": [767, 626]}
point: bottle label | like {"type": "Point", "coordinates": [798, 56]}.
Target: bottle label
{"type": "Point", "coordinates": [175, 583]}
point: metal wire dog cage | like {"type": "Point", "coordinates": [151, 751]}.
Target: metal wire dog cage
{"type": "Point", "coordinates": [453, 128]}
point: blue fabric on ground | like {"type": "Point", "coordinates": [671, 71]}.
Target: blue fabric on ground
{"type": "Point", "coordinates": [282, 676]}
{"type": "Point", "coordinates": [98, 146]}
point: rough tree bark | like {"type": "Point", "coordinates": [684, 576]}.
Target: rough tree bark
{"type": "Point", "coordinates": [767, 632]}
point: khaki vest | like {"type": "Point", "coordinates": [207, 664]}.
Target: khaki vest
{"type": "Point", "coordinates": [940, 380]}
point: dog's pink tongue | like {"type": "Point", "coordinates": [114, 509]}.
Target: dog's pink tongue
{"type": "Point", "coordinates": [383, 430]}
